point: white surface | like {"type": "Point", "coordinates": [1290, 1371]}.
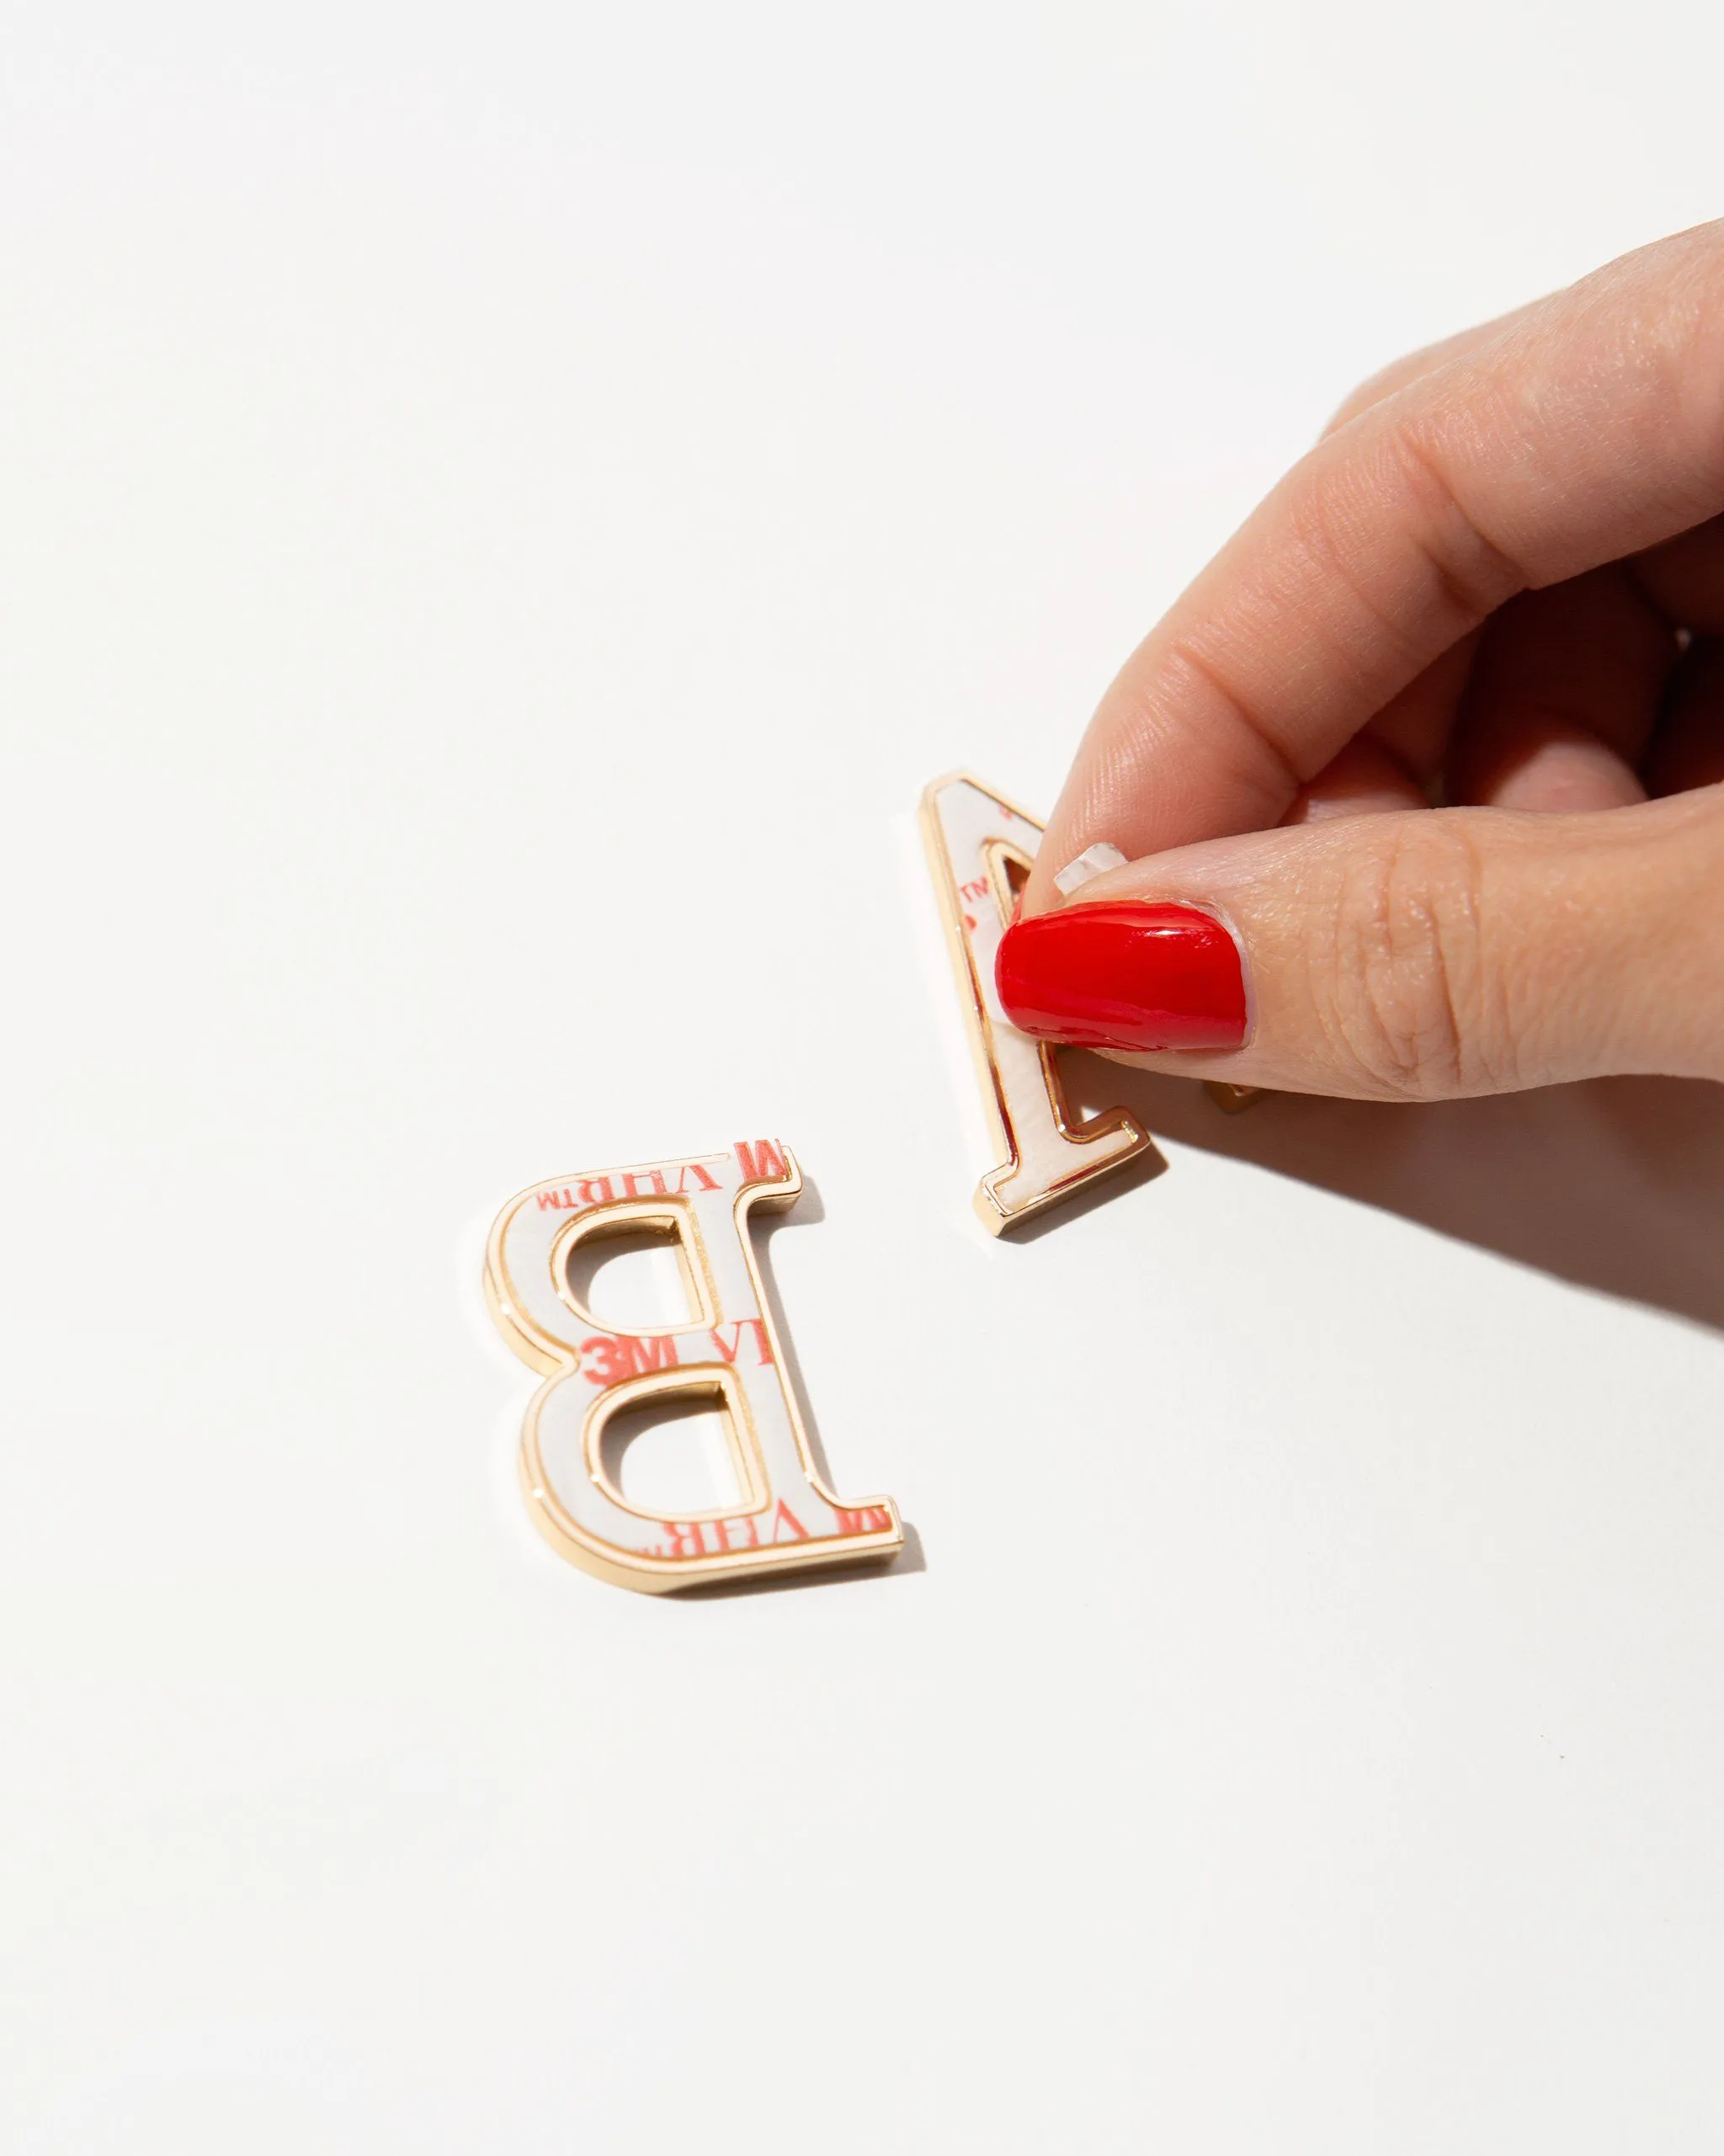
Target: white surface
{"type": "Point", "coordinates": [503, 510]}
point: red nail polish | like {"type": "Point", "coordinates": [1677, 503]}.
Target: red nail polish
{"type": "Point", "coordinates": [1125, 975]}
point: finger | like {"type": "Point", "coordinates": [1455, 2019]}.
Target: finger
{"type": "Point", "coordinates": [1417, 725]}
{"type": "Point", "coordinates": [1684, 578]}
{"type": "Point", "coordinates": [1564, 695]}
{"type": "Point", "coordinates": [1400, 373]}
{"type": "Point", "coordinates": [1364, 780]}
{"type": "Point", "coordinates": [1590, 427]}
{"type": "Point", "coordinates": [1402, 958]}
{"type": "Point", "coordinates": [1687, 749]}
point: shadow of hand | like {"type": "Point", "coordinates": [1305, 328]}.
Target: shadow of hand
{"type": "Point", "coordinates": [1616, 1184]}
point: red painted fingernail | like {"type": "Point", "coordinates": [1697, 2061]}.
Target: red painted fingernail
{"type": "Point", "coordinates": [1123, 975]}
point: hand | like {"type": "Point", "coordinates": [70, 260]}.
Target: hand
{"type": "Point", "coordinates": [1495, 584]}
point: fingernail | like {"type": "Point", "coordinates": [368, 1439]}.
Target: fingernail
{"type": "Point", "coordinates": [1143, 976]}
{"type": "Point", "coordinates": [1094, 860]}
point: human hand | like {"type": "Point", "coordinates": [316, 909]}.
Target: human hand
{"type": "Point", "coordinates": [1496, 582]}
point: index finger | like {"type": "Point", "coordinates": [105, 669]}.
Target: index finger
{"type": "Point", "coordinates": [1590, 427]}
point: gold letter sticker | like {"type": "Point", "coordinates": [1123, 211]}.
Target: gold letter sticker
{"type": "Point", "coordinates": [977, 844]}
{"type": "Point", "coordinates": [727, 1351]}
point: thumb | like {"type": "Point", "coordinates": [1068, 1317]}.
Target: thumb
{"type": "Point", "coordinates": [1422, 955]}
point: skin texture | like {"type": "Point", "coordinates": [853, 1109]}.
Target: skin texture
{"type": "Point", "coordinates": [1440, 730]}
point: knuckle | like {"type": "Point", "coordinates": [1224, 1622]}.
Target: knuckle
{"type": "Point", "coordinates": [1412, 1012]}
{"type": "Point", "coordinates": [1470, 574]}
{"type": "Point", "coordinates": [1379, 525]}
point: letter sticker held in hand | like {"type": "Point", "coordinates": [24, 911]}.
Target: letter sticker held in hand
{"type": "Point", "coordinates": [727, 1351]}
{"type": "Point", "coordinates": [976, 841]}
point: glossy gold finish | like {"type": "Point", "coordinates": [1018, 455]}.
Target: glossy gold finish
{"type": "Point", "coordinates": [785, 1519]}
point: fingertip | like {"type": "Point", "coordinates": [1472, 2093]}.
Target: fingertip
{"type": "Point", "coordinates": [1364, 780]}
{"type": "Point", "coordinates": [1546, 766]}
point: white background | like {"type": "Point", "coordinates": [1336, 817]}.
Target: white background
{"type": "Point", "coordinates": [503, 509]}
